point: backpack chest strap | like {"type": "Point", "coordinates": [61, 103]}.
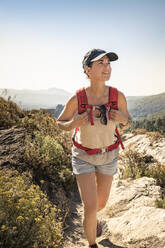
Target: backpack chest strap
{"type": "Point", "coordinates": [90, 113]}
{"type": "Point", "coordinates": [108, 108]}
{"type": "Point", "coordinates": [83, 103]}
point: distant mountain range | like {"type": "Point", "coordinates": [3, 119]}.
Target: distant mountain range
{"type": "Point", "coordinates": [138, 106]}
{"type": "Point", "coordinates": [36, 99]}
{"type": "Point", "coordinates": [54, 99]}
{"type": "Point", "coordinates": [143, 106]}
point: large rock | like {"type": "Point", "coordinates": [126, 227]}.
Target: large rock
{"type": "Point", "coordinates": [147, 145]}
{"type": "Point", "coordinates": [131, 215]}
{"type": "Point", "coordinates": [12, 147]}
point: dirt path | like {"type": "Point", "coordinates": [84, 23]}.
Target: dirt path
{"type": "Point", "coordinates": [74, 234]}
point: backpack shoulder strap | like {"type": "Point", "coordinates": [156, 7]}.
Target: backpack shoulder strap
{"type": "Point", "coordinates": [82, 100]}
{"type": "Point", "coordinates": [113, 97]}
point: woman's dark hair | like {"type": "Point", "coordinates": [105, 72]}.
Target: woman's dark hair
{"type": "Point", "coordinates": [89, 65]}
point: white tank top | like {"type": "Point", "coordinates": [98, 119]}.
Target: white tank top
{"type": "Point", "coordinates": [96, 136]}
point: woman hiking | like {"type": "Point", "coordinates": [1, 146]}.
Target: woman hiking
{"type": "Point", "coordinates": [94, 113]}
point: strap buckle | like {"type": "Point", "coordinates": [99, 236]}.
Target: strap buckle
{"type": "Point", "coordinates": [103, 150]}
{"type": "Point", "coordinates": [109, 108]}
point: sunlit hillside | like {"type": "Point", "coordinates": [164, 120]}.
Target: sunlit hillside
{"type": "Point", "coordinates": [35, 178]}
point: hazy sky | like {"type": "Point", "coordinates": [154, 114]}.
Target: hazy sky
{"type": "Point", "coordinates": [42, 43]}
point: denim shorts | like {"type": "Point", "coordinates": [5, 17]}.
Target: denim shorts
{"type": "Point", "coordinates": [81, 167]}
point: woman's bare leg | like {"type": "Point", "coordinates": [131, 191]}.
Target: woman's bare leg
{"type": "Point", "coordinates": [88, 192]}
{"type": "Point", "coordinates": [104, 183]}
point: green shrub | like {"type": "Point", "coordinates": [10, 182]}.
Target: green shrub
{"type": "Point", "coordinates": [43, 150]}
{"type": "Point", "coordinates": [10, 113]}
{"type": "Point", "coordinates": [45, 124]}
{"type": "Point", "coordinates": [160, 203]}
{"type": "Point", "coordinates": [157, 171]}
{"type": "Point", "coordinates": [45, 154]}
{"type": "Point", "coordinates": [68, 181]}
{"type": "Point", "coordinates": [27, 218]}
{"type": "Point", "coordinates": [134, 165]}
{"type": "Point", "coordinates": [39, 120]}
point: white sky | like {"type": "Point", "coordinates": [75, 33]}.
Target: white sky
{"type": "Point", "coordinates": [45, 53]}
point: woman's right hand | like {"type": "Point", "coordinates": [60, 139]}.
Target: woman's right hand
{"type": "Point", "coordinates": [69, 118]}
{"type": "Point", "coordinates": [80, 119]}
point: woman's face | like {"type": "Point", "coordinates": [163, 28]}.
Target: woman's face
{"type": "Point", "coordinates": [100, 70]}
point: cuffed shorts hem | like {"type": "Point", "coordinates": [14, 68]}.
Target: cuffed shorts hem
{"type": "Point", "coordinates": [81, 167]}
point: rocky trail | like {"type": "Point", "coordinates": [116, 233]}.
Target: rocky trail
{"type": "Point", "coordinates": [130, 219]}
{"type": "Point", "coordinates": [74, 234]}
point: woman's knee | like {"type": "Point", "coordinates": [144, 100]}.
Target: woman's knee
{"type": "Point", "coordinates": [101, 205]}
{"type": "Point", "coordinates": [90, 209]}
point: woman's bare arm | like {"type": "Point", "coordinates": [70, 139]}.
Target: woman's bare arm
{"type": "Point", "coordinates": [121, 115]}
{"type": "Point", "coordinates": [69, 118]}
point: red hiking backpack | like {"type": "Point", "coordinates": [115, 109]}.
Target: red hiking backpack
{"type": "Point", "coordinates": [83, 106]}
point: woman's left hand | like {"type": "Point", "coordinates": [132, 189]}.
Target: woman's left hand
{"type": "Point", "coordinates": [118, 116]}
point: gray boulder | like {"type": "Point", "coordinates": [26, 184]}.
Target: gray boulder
{"type": "Point", "coordinates": [131, 215]}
